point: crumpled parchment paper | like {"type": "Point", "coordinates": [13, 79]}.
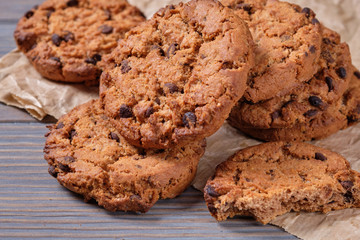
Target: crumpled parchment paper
{"type": "Point", "coordinates": [23, 87]}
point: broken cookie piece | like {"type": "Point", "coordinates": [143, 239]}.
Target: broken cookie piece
{"type": "Point", "coordinates": [274, 178]}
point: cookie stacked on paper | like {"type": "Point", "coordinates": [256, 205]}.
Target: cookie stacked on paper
{"type": "Point", "coordinates": [169, 83]}
{"type": "Point", "coordinates": [317, 86]}
{"type": "Point", "coordinates": [65, 40]}
{"type": "Point", "coordinates": [269, 67]}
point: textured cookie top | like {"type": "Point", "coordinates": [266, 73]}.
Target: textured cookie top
{"type": "Point", "coordinates": [88, 156]}
{"type": "Point", "coordinates": [339, 115]}
{"type": "Point", "coordinates": [287, 40]}
{"type": "Point", "coordinates": [274, 178]}
{"type": "Point", "coordinates": [311, 98]}
{"type": "Point", "coordinates": [176, 77]}
{"type": "Point", "coordinates": [69, 37]}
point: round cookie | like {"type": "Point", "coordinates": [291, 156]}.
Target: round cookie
{"type": "Point", "coordinates": [342, 114]}
{"type": "Point", "coordinates": [324, 89]}
{"type": "Point", "coordinates": [88, 156]}
{"type": "Point", "coordinates": [287, 45]}
{"type": "Point", "coordinates": [65, 39]}
{"type": "Point", "coordinates": [176, 77]}
{"type": "Point", "coordinates": [274, 178]}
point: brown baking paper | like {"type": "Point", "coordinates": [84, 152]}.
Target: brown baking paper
{"type": "Point", "coordinates": [23, 87]}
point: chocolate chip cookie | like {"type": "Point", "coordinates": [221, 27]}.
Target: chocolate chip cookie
{"type": "Point", "coordinates": [288, 41]}
{"type": "Point", "coordinates": [88, 156]}
{"type": "Point", "coordinates": [340, 115]}
{"type": "Point", "coordinates": [175, 78]}
{"type": "Point", "coordinates": [311, 98]}
{"type": "Point", "coordinates": [65, 39]}
{"type": "Point", "coordinates": [274, 178]}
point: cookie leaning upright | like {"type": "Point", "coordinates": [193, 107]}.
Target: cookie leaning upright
{"type": "Point", "coordinates": [288, 41]}
{"type": "Point", "coordinates": [88, 156]}
{"type": "Point", "coordinates": [274, 178]}
{"type": "Point", "coordinates": [64, 39]}
{"type": "Point", "coordinates": [176, 77]}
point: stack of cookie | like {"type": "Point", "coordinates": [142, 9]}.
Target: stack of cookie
{"type": "Point", "coordinates": [173, 80]}
{"type": "Point", "coordinates": [169, 83]}
{"type": "Point", "coordinates": [303, 86]}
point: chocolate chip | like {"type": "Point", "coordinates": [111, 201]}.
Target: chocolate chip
{"type": "Point", "coordinates": [327, 56]}
{"type": "Point", "coordinates": [60, 125]}
{"type": "Point", "coordinates": [157, 100]}
{"type": "Point", "coordinates": [341, 72]}
{"type": "Point", "coordinates": [171, 50]}
{"type": "Point", "coordinates": [275, 115]}
{"type": "Point", "coordinates": [209, 190]}
{"type": "Point", "coordinates": [307, 11]}
{"type": "Point", "coordinates": [72, 134]}
{"type": "Point", "coordinates": [189, 119]}
{"type": "Point", "coordinates": [306, 54]}
{"type": "Point", "coordinates": [329, 81]}
{"type": "Point", "coordinates": [311, 113]}
{"type": "Point", "coordinates": [90, 61]}
{"type": "Point", "coordinates": [107, 14]}
{"type": "Point", "coordinates": [312, 49]}
{"type": "Point", "coordinates": [52, 171]}
{"type": "Point", "coordinates": [94, 59]}
{"type": "Point", "coordinates": [212, 208]}
{"type": "Point", "coordinates": [320, 156]}
{"type": "Point", "coordinates": [149, 112]}
{"type": "Point", "coordinates": [63, 167]}
{"type": "Point", "coordinates": [326, 41]}
{"type": "Point", "coordinates": [114, 136]}
{"type": "Point", "coordinates": [315, 101]}
{"type": "Point", "coordinates": [56, 39]}
{"type": "Point", "coordinates": [125, 67]}
{"type": "Point", "coordinates": [357, 74]}
{"type": "Point", "coordinates": [106, 29]}
{"type": "Point", "coordinates": [172, 87]}
{"type": "Point", "coordinates": [315, 21]}
{"type": "Point", "coordinates": [171, 7]}
{"type": "Point", "coordinates": [348, 197]}
{"type": "Point", "coordinates": [125, 111]}
{"type": "Point", "coordinates": [97, 57]}
{"type": "Point", "coordinates": [72, 3]}
{"type": "Point", "coordinates": [35, 7]}
{"type": "Point", "coordinates": [158, 48]}
{"type": "Point", "coordinates": [56, 59]}
{"type": "Point", "coordinates": [29, 14]}
{"type": "Point", "coordinates": [347, 185]}
{"type": "Point", "coordinates": [246, 7]}
{"type": "Point", "coordinates": [69, 159]}
{"type": "Point", "coordinates": [68, 36]}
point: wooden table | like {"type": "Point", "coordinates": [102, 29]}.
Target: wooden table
{"type": "Point", "coordinates": [34, 206]}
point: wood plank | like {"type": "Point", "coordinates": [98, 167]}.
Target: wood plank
{"type": "Point", "coordinates": [13, 10]}
{"type": "Point", "coordinates": [7, 42]}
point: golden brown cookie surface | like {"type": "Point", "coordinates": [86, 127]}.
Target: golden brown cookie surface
{"type": "Point", "coordinates": [88, 156]}
{"type": "Point", "coordinates": [175, 78]}
{"type": "Point", "coordinates": [310, 99]}
{"type": "Point", "coordinates": [65, 39]}
{"type": "Point", "coordinates": [287, 45]}
{"type": "Point", "coordinates": [274, 178]}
